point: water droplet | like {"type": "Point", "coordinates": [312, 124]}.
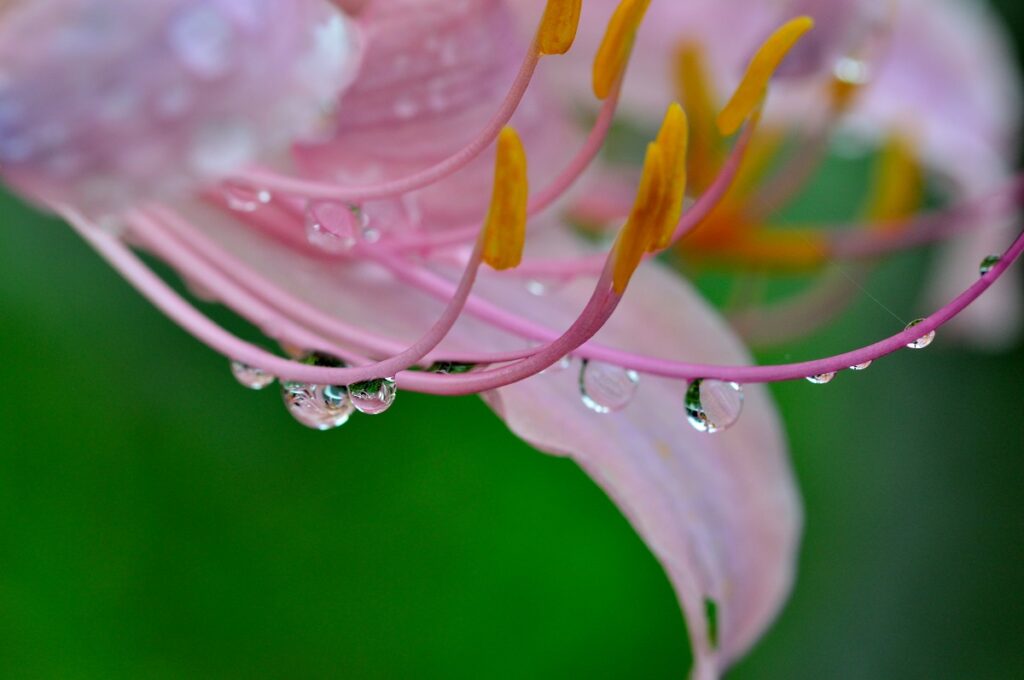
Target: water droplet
{"type": "Point", "coordinates": [373, 396]}
{"type": "Point", "coordinates": [852, 71]}
{"type": "Point", "coordinates": [922, 341]}
{"type": "Point", "coordinates": [450, 368]}
{"type": "Point", "coordinates": [245, 198]}
{"type": "Point", "coordinates": [713, 405]}
{"type": "Point", "coordinates": [547, 286]}
{"type": "Point", "coordinates": [606, 388]}
{"type": "Point", "coordinates": [332, 226]}
{"type": "Point", "coordinates": [821, 378]}
{"type": "Point", "coordinates": [988, 263]}
{"type": "Point", "coordinates": [251, 377]}
{"type": "Point", "coordinates": [861, 367]}
{"type": "Point", "coordinates": [318, 407]}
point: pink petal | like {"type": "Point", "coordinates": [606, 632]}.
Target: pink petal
{"type": "Point", "coordinates": [105, 103]}
{"type": "Point", "coordinates": [721, 512]}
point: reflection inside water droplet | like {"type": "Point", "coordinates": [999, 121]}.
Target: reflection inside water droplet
{"type": "Point", "coordinates": [821, 378]}
{"type": "Point", "coordinates": [922, 341]}
{"type": "Point", "coordinates": [713, 405]}
{"type": "Point", "coordinates": [606, 388]}
{"type": "Point", "coordinates": [251, 377]}
{"type": "Point", "coordinates": [318, 407]}
{"type": "Point", "coordinates": [988, 263]}
{"type": "Point", "coordinates": [373, 396]}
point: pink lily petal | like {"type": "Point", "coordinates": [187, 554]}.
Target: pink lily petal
{"type": "Point", "coordinates": [104, 104]}
{"type": "Point", "coordinates": [721, 512]}
{"type": "Point", "coordinates": [432, 76]}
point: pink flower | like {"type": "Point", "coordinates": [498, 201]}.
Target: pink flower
{"type": "Point", "coordinates": [198, 131]}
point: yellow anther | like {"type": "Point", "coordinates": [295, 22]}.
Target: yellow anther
{"type": "Point", "coordinates": [641, 227]}
{"type": "Point", "coordinates": [505, 230]}
{"type": "Point", "coordinates": [613, 54]}
{"type": "Point", "coordinates": [898, 185]}
{"type": "Point", "coordinates": [558, 26]}
{"type": "Point", "coordinates": [673, 140]}
{"type": "Point", "coordinates": [696, 94]}
{"type": "Point", "coordinates": [752, 88]}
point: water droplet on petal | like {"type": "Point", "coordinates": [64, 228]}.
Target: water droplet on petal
{"type": "Point", "coordinates": [922, 341]}
{"type": "Point", "coordinates": [245, 198]}
{"type": "Point", "coordinates": [713, 405]}
{"type": "Point", "coordinates": [861, 367]}
{"type": "Point", "coordinates": [821, 378]}
{"type": "Point", "coordinates": [332, 226]}
{"type": "Point", "coordinates": [318, 407]}
{"type": "Point", "coordinates": [373, 396]}
{"type": "Point", "coordinates": [251, 377]}
{"type": "Point", "coordinates": [988, 263]}
{"type": "Point", "coordinates": [606, 388]}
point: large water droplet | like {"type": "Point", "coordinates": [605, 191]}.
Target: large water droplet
{"type": "Point", "coordinates": [861, 367]}
{"type": "Point", "coordinates": [250, 376]}
{"type": "Point", "coordinates": [332, 226]}
{"type": "Point", "coordinates": [922, 341]}
{"type": "Point", "coordinates": [821, 378]}
{"type": "Point", "coordinates": [713, 405]}
{"type": "Point", "coordinates": [373, 396]}
{"type": "Point", "coordinates": [606, 388]}
{"type": "Point", "coordinates": [318, 407]}
{"type": "Point", "coordinates": [988, 263]}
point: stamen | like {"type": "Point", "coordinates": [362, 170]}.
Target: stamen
{"type": "Point", "coordinates": [695, 92]}
{"type": "Point", "coordinates": [673, 139]}
{"type": "Point", "coordinates": [898, 185]}
{"type": "Point", "coordinates": [557, 30]}
{"type": "Point", "coordinates": [762, 67]}
{"type": "Point", "coordinates": [640, 233]}
{"type": "Point", "coordinates": [505, 230]}
{"type": "Point", "coordinates": [613, 54]}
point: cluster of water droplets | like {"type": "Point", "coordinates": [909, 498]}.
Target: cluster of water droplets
{"type": "Point", "coordinates": [322, 407]}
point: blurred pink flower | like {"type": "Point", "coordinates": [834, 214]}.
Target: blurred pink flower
{"type": "Point", "coordinates": [199, 131]}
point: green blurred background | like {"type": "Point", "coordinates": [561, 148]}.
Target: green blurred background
{"type": "Point", "coordinates": [156, 520]}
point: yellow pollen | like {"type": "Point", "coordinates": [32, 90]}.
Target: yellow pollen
{"type": "Point", "coordinates": [558, 26]}
{"type": "Point", "coordinates": [696, 94]}
{"type": "Point", "coordinates": [505, 230]}
{"type": "Point", "coordinates": [762, 67]}
{"type": "Point", "coordinates": [640, 230]}
{"type": "Point", "coordinates": [898, 185]}
{"type": "Point", "coordinates": [613, 54]}
{"type": "Point", "coordinates": [673, 140]}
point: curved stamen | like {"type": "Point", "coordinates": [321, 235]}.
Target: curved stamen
{"type": "Point", "coordinates": [753, 374]}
